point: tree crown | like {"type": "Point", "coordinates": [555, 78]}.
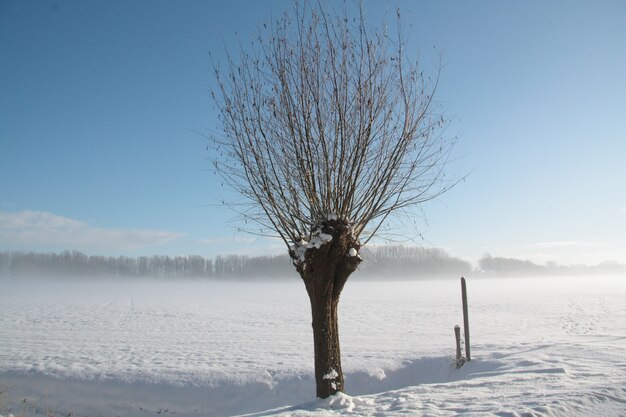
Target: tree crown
{"type": "Point", "coordinates": [325, 118]}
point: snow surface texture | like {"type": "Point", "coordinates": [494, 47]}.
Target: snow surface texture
{"type": "Point", "coordinates": [553, 347]}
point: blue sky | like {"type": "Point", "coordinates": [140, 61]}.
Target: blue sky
{"type": "Point", "coordinates": [101, 104]}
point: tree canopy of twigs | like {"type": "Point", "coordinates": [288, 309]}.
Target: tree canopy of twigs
{"type": "Point", "coordinates": [325, 116]}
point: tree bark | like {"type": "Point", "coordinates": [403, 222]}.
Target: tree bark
{"type": "Point", "coordinates": [328, 371]}
{"type": "Point", "coordinates": [325, 267]}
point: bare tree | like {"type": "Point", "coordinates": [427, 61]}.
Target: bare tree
{"type": "Point", "coordinates": [328, 129]}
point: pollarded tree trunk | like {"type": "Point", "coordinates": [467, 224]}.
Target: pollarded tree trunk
{"type": "Point", "coordinates": [325, 262]}
{"type": "Point", "coordinates": [328, 371]}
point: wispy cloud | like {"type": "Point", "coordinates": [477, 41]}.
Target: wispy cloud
{"type": "Point", "coordinates": [38, 230]}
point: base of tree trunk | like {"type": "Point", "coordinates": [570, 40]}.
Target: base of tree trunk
{"type": "Point", "coordinates": [328, 371]}
{"type": "Point", "coordinates": [325, 267]}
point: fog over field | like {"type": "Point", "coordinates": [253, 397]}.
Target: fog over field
{"type": "Point", "coordinates": [540, 346]}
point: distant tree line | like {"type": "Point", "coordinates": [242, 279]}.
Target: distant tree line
{"type": "Point", "coordinates": [380, 262]}
{"type": "Point", "coordinates": [74, 263]}
{"type": "Point", "coordinates": [408, 262]}
{"type": "Point", "coordinates": [503, 267]}
{"type": "Point", "coordinates": [400, 262]}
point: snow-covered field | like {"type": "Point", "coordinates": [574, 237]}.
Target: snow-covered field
{"type": "Point", "coordinates": [540, 347]}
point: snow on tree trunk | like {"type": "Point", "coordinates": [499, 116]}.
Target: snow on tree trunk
{"type": "Point", "coordinates": [325, 262]}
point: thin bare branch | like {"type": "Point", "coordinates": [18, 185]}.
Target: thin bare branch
{"type": "Point", "coordinates": [325, 116]}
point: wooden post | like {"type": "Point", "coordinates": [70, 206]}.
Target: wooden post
{"type": "Point", "coordinates": [465, 320]}
{"type": "Point", "coordinates": [457, 337]}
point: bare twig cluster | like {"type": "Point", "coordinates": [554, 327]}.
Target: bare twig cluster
{"type": "Point", "coordinates": [325, 117]}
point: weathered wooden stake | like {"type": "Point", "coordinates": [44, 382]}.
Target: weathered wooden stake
{"type": "Point", "coordinates": [465, 320]}
{"type": "Point", "coordinates": [457, 336]}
